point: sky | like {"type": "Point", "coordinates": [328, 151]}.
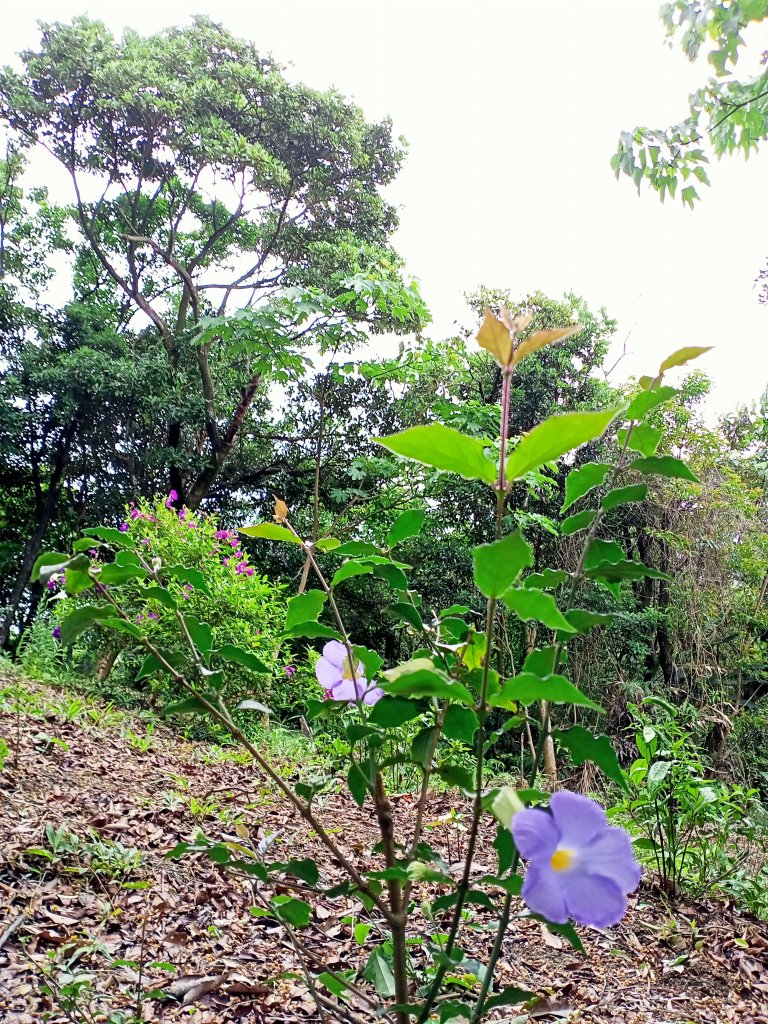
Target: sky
{"type": "Point", "coordinates": [511, 110]}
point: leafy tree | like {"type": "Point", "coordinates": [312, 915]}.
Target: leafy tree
{"type": "Point", "coordinates": [203, 180]}
{"type": "Point", "coordinates": [725, 115]}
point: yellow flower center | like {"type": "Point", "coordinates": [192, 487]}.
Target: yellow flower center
{"type": "Point", "coordinates": [561, 860]}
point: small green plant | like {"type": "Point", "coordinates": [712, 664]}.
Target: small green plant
{"type": "Point", "coordinates": [694, 830]}
{"type": "Point", "coordinates": [92, 855]}
{"type": "Point", "coordinates": [141, 743]}
{"type": "Point", "coordinates": [3, 753]}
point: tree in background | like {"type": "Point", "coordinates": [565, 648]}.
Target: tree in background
{"type": "Point", "coordinates": [725, 115]}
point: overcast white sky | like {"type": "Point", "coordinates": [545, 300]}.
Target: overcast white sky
{"type": "Point", "coordinates": [512, 110]}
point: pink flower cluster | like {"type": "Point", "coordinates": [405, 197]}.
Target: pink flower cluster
{"type": "Point", "coordinates": [237, 556]}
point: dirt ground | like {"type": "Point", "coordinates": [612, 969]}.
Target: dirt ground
{"type": "Point", "coordinates": [183, 929]}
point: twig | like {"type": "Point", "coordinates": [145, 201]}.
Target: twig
{"type": "Point", "coordinates": [12, 928]}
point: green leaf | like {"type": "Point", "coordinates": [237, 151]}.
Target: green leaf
{"type": "Point", "coordinates": [497, 565]}
{"type": "Point", "coordinates": [408, 524]}
{"type": "Point", "coordinates": [294, 912]}
{"type": "Point", "coordinates": [356, 549]}
{"type": "Point", "coordinates": [582, 480]}
{"type": "Point", "coordinates": [582, 620]}
{"type": "Point", "coordinates": [161, 595]}
{"type": "Point", "coordinates": [420, 678]}
{"type": "Point", "coordinates": [327, 544]}
{"type": "Point", "coordinates": [460, 723]}
{"type": "Point", "coordinates": [350, 569]}
{"type": "Point", "coordinates": [643, 438]}
{"type": "Point", "coordinates": [370, 660]}
{"type": "Point", "coordinates": [270, 531]}
{"type": "Point", "coordinates": [504, 846]}
{"type": "Point", "coordinates": [547, 579]}
{"type": "Point", "coordinates": [580, 521]}
{"type": "Point", "coordinates": [624, 496]}
{"type": "Point", "coordinates": [111, 536]}
{"type": "Point", "coordinates": [194, 577]}
{"type": "Point", "coordinates": [535, 604]}
{"type": "Point", "coordinates": [52, 562]}
{"type": "Point", "coordinates": [395, 577]}
{"type": "Point", "coordinates": [664, 465]}
{"type": "Point", "coordinates": [509, 996]}
{"type": "Point", "coordinates": [114, 573]}
{"type": "Point", "coordinates": [456, 775]}
{"type": "Point", "coordinates": [443, 448]}
{"type": "Point", "coordinates": [405, 610]}
{"type": "Point", "coordinates": [81, 619]}
{"type": "Point", "coordinates": [643, 402]}
{"type": "Point", "coordinates": [554, 437]}
{"type": "Point", "coordinates": [361, 931]}
{"type": "Point", "coordinates": [120, 625]}
{"type": "Point", "coordinates": [379, 973]}
{"type": "Point", "coordinates": [305, 608]}
{"type": "Point", "coordinates": [357, 783]}
{"type": "Point", "coordinates": [683, 356]}
{"type": "Point", "coordinates": [583, 746]}
{"type": "Point", "coordinates": [305, 869]}
{"type": "Point", "coordinates": [391, 712]}
{"type": "Point", "coordinates": [527, 688]}
{"type": "Point", "coordinates": [151, 665]}
{"type": "Point", "coordinates": [239, 656]}
{"type": "Point", "coordinates": [313, 630]}
{"type": "Point", "coordinates": [422, 746]}
{"type": "Point", "coordinates": [201, 634]}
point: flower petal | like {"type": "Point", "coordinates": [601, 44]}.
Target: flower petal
{"type": "Point", "coordinates": [335, 652]}
{"type": "Point", "coordinates": [535, 834]}
{"type": "Point", "coordinates": [610, 855]}
{"type": "Point", "coordinates": [543, 891]}
{"type": "Point", "coordinates": [372, 694]}
{"type": "Point", "coordinates": [594, 900]}
{"type": "Point", "coordinates": [578, 819]}
{"type": "Point", "coordinates": [344, 689]}
{"type": "Point", "coordinates": [327, 674]}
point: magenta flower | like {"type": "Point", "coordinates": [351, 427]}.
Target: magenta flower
{"type": "Point", "coordinates": [172, 497]}
{"type": "Point", "coordinates": [337, 678]}
{"type": "Point", "coordinates": [249, 571]}
{"type": "Point", "coordinates": [123, 527]}
{"type": "Point", "coordinates": [221, 534]}
{"type": "Point", "coordinates": [290, 670]}
{"type": "Point", "coordinates": [135, 513]}
{"type": "Point", "coordinates": [579, 866]}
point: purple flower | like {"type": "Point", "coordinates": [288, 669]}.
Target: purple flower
{"type": "Point", "coordinates": [146, 540]}
{"type": "Point", "coordinates": [56, 632]}
{"type": "Point", "coordinates": [135, 513]}
{"type": "Point", "coordinates": [579, 866]}
{"type": "Point", "coordinates": [151, 615]}
{"type": "Point", "coordinates": [290, 670]}
{"type": "Point", "coordinates": [337, 678]}
{"type": "Point", "coordinates": [123, 527]}
{"type": "Point", "coordinates": [173, 496]}
{"type": "Point", "coordinates": [249, 571]}
{"type": "Point", "coordinates": [222, 535]}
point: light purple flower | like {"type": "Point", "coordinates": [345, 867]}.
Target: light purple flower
{"type": "Point", "coordinates": [123, 527]}
{"type": "Point", "coordinates": [579, 866]}
{"type": "Point", "coordinates": [337, 678]}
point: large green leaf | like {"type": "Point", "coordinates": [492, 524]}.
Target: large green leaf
{"type": "Point", "coordinates": [391, 712]}
{"type": "Point", "coordinates": [624, 496]}
{"type": "Point", "coordinates": [527, 688]}
{"type": "Point", "coordinates": [685, 355]}
{"type": "Point", "coordinates": [408, 524]}
{"type": "Point", "coordinates": [188, 574]}
{"type": "Point", "coordinates": [313, 630]}
{"type": "Point", "coordinates": [270, 531]}
{"type": "Point", "coordinates": [201, 634]}
{"type": "Point", "coordinates": [350, 569]}
{"type": "Point", "coordinates": [643, 402]}
{"type": "Point", "coordinates": [554, 437]}
{"type": "Point", "coordinates": [643, 438]}
{"type": "Point", "coordinates": [664, 465]}
{"type": "Point", "coordinates": [583, 746]}
{"type": "Point", "coordinates": [442, 448]}
{"type": "Point", "coordinates": [111, 536]}
{"type": "Point", "coordinates": [305, 608]}
{"type": "Point", "coordinates": [579, 521]}
{"type": "Point", "coordinates": [81, 619]}
{"type": "Point", "coordinates": [497, 565]}
{"type": "Point", "coordinates": [239, 656]}
{"type": "Point", "coordinates": [535, 604]}
{"type": "Point", "coordinates": [48, 564]}
{"type": "Point", "coordinates": [420, 678]}
{"type": "Point", "coordinates": [581, 481]}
